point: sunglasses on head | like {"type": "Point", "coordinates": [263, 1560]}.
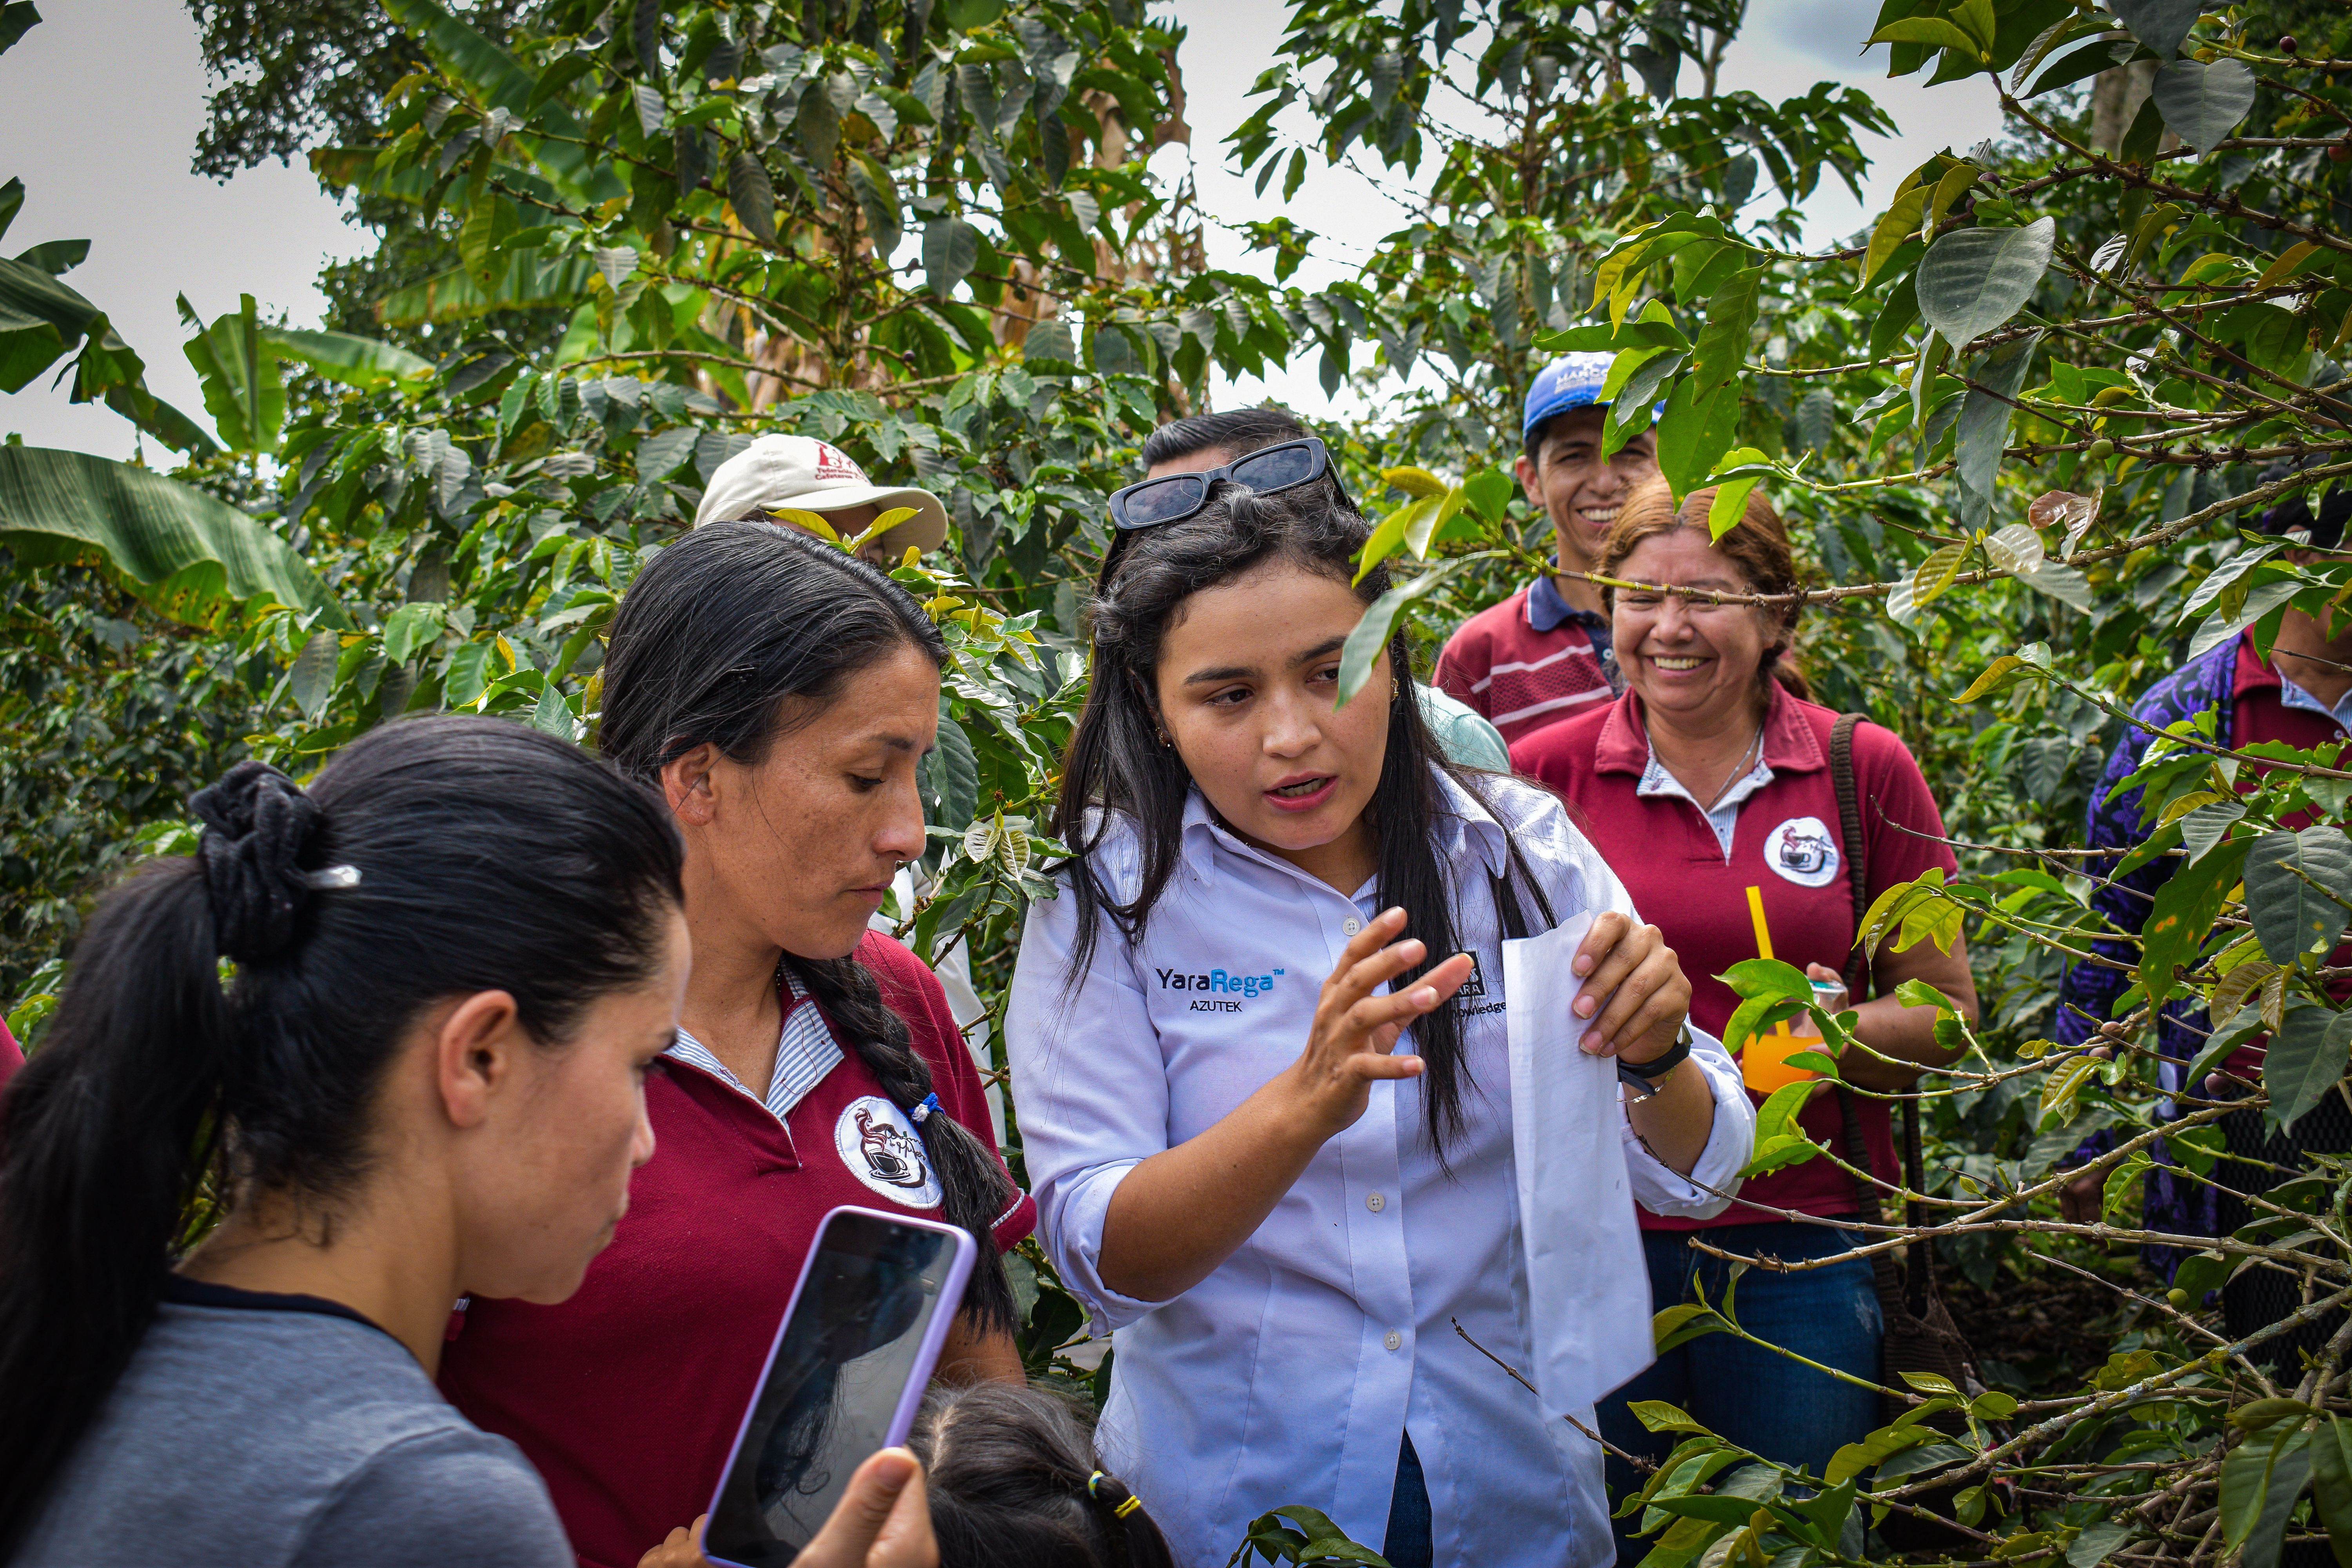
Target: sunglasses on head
{"type": "Point", "coordinates": [1174, 497]}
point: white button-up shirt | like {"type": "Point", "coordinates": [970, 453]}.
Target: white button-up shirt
{"type": "Point", "coordinates": [1291, 1372]}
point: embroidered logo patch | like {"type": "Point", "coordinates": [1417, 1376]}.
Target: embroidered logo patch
{"type": "Point", "coordinates": [832, 463]}
{"type": "Point", "coordinates": [883, 1150]}
{"type": "Point", "coordinates": [1803, 850]}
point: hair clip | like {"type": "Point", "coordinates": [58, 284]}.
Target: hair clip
{"type": "Point", "coordinates": [927, 1108]}
{"type": "Point", "coordinates": [1129, 1506]}
{"type": "Point", "coordinates": [332, 876]}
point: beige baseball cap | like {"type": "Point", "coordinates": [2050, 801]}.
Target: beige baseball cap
{"type": "Point", "coordinates": [777, 472]}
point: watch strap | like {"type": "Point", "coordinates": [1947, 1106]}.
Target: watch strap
{"type": "Point", "coordinates": [1644, 1076]}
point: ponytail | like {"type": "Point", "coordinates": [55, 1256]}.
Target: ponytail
{"type": "Point", "coordinates": [435, 857]}
{"type": "Point", "coordinates": [972, 1179]}
{"type": "Point", "coordinates": [1014, 1482]}
{"type": "Point", "coordinates": [108, 1132]}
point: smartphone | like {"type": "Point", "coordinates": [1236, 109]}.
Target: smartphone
{"type": "Point", "coordinates": [844, 1378]}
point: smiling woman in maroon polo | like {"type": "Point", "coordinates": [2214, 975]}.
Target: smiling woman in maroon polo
{"type": "Point", "coordinates": [1708, 787]}
{"type": "Point", "coordinates": [778, 692]}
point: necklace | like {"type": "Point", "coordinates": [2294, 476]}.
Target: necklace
{"type": "Point", "coordinates": [1740, 768]}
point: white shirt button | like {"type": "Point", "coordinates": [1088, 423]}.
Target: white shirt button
{"type": "Point", "coordinates": [1393, 1340]}
{"type": "Point", "coordinates": [1375, 1201]}
{"type": "Point", "coordinates": [1351, 925]}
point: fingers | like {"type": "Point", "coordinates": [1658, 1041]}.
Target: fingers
{"type": "Point", "coordinates": [1653, 994]}
{"type": "Point", "coordinates": [883, 1520]}
{"type": "Point", "coordinates": [682, 1549]}
{"type": "Point", "coordinates": [1616, 962]}
{"type": "Point", "coordinates": [906, 1540]}
{"type": "Point", "coordinates": [1607, 932]}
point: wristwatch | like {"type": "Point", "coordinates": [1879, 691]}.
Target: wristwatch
{"type": "Point", "coordinates": [1644, 1076]}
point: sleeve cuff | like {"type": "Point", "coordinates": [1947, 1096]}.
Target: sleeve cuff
{"type": "Point", "coordinates": [1730, 1144]}
{"type": "Point", "coordinates": [1075, 1241]}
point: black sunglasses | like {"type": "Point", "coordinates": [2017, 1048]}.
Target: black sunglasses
{"type": "Point", "coordinates": [1173, 497]}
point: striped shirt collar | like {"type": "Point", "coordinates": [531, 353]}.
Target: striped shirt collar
{"type": "Point", "coordinates": [806, 1052]}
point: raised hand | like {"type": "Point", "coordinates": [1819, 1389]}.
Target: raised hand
{"type": "Point", "coordinates": [1356, 1028]}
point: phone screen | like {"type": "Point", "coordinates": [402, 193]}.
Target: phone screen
{"type": "Point", "coordinates": [841, 1368]}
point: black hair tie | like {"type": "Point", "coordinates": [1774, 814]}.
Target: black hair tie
{"type": "Point", "coordinates": [257, 824]}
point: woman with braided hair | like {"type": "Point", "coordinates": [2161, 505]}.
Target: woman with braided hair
{"type": "Point", "coordinates": [777, 693]}
{"type": "Point", "coordinates": [454, 960]}
{"type": "Point", "coordinates": [1015, 1483]}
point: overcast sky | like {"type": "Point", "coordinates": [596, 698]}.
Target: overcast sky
{"type": "Point", "coordinates": [121, 178]}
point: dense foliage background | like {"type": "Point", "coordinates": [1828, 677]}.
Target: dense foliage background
{"type": "Point", "coordinates": [619, 239]}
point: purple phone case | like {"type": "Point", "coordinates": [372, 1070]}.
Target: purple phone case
{"type": "Point", "coordinates": [927, 1354]}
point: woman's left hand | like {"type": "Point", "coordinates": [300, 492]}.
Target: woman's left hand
{"type": "Point", "coordinates": [1634, 992]}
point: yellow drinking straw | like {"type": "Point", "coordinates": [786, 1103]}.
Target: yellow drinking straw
{"type": "Point", "coordinates": [1764, 1064]}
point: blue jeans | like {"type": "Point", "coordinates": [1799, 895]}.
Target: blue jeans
{"type": "Point", "coordinates": [1409, 1545]}
{"type": "Point", "coordinates": [1764, 1403]}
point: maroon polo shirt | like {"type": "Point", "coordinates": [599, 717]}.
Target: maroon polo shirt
{"type": "Point", "coordinates": [628, 1395]}
{"type": "Point", "coordinates": [11, 1057]}
{"type": "Point", "coordinates": [1522, 677]}
{"type": "Point", "coordinates": [2262, 713]}
{"type": "Point", "coordinates": [1786, 851]}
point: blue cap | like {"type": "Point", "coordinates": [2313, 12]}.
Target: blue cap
{"type": "Point", "coordinates": [1571, 381]}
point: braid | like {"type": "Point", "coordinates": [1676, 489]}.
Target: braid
{"type": "Point", "coordinates": [976, 1193]}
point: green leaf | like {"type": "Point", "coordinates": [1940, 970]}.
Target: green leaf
{"type": "Point", "coordinates": [2203, 828]}
{"type": "Point", "coordinates": [951, 775]}
{"type": "Point", "coordinates": [1853, 1459]}
{"type": "Point", "coordinates": [1658, 1415]}
{"type": "Point", "coordinates": [1698, 429]}
{"type": "Point", "coordinates": [1933, 31]}
{"type": "Point", "coordinates": [2201, 102]}
{"type": "Point", "coordinates": [2290, 915]}
{"type": "Point", "coordinates": [1370, 637]}
{"type": "Point", "coordinates": [353, 361]}
{"type": "Point", "coordinates": [1488, 493]}
{"type": "Point", "coordinates": [2260, 1480]}
{"type": "Point", "coordinates": [1899, 223]}
{"type": "Point", "coordinates": [1999, 676]}
{"type": "Point", "coordinates": [1730, 504]}
{"type": "Point", "coordinates": [1730, 325]}
{"type": "Point", "coordinates": [2183, 914]}
{"type": "Point", "coordinates": [753, 196]}
{"type": "Point", "coordinates": [410, 628]}
{"type": "Point", "coordinates": [243, 390]}
{"type": "Point", "coordinates": [313, 675]}
{"type": "Point", "coordinates": [1973, 279]}
{"type": "Point", "coordinates": [2331, 1481]}
{"type": "Point", "coordinates": [950, 250]}
{"type": "Point", "coordinates": [2060, 1087]}
{"type": "Point", "coordinates": [2305, 1059]}
{"type": "Point", "coordinates": [16, 18]}
{"type": "Point", "coordinates": [877, 199]}
{"type": "Point", "coordinates": [1983, 431]}
{"type": "Point", "coordinates": [2159, 23]}
{"type": "Point", "coordinates": [554, 715]}
{"type": "Point", "coordinates": [1679, 1325]}
{"type": "Point", "coordinates": [194, 558]}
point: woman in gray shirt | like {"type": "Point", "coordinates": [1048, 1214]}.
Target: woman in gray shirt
{"type": "Point", "coordinates": [454, 960]}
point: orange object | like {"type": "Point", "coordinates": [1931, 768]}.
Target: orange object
{"type": "Point", "coordinates": [1764, 1060]}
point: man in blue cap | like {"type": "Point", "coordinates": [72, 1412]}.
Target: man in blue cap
{"type": "Point", "coordinates": [1543, 653]}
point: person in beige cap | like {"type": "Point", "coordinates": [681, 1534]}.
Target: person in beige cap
{"type": "Point", "coordinates": [776, 474]}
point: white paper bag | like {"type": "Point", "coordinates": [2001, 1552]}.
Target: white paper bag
{"type": "Point", "coordinates": [1588, 1286]}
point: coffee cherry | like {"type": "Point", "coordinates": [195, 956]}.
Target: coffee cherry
{"type": "Point", "coordinates": [2287, 45]}
{"type": "Point", "coordinates": [2178, 1297]}
{"type": "Point", "coordinates": [2100, 450]}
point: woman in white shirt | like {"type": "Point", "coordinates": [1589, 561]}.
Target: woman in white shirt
{"type": "Point", "coordinates": [1282, 1189]}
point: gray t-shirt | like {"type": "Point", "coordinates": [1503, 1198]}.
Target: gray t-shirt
{"type": "Point", "coordinates": [289, 1438]}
